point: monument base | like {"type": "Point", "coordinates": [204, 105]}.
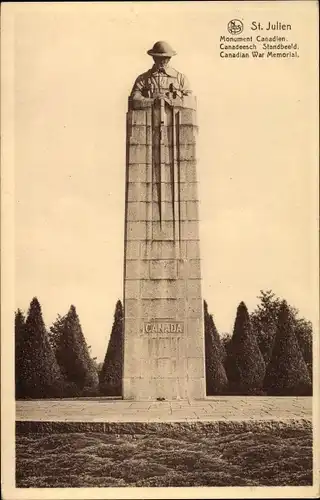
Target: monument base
{"type": "Point", "coordinates": [163, 389]}
{"type": "Point", "coordinates": [165, 357]}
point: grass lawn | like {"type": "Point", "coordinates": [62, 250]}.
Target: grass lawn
{"type": "Point", "coordinates": [262, 456]}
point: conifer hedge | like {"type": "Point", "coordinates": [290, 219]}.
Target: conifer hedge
{"type": "Point", "coordinates": [287, 373]}
{"type": "Point", "coordinates": [40, 375]}
{"type": "Point", "coordinates": [110, 377]}
{"type": "Point", "coordinates": [245, 364]}
{"type": "Point", "coordinates": [73, 356]}
{"type": "Point", "coordinates": [216, 378]}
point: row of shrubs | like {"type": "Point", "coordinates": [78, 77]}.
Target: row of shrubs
{"type": "Point", "coordinates": [57, 363]}
{"type": "Point", "coordinates": [237, 365]}
{"type": "Point", "coordinates": [269, 352]}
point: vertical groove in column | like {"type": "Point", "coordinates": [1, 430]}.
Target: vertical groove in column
{"type": "Point", "coordinates": [148, 179]}
{"type": "Point", "coordinates": [162, 155]}
{"type": "Point", "coordinates": [177, 124]}
{"type": "Point", "coordinates": [159, 170]}
{"type": "Point", "coordinates": [156, 159]}
{"type": "Point", "coordinates": [173, 173]}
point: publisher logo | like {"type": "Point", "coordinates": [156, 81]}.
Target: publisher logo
{"type": "Point", "coordinates": [235, 26]}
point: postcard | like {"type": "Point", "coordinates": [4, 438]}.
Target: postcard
{"type": "Point", "coordinates": [159, 250]}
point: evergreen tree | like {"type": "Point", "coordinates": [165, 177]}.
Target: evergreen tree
{"type": "Point", "coordinates": [73, 355]}
{"type": "Point", "coordinates": [55, 335]}
{"type": "Point", "coordinates": [287, 373]}
{"type": "Point", "coordinates": [216, 378]}
{"type": "Point", "coordinates": [264, 320]}
{"type": "Point", "coordinates": [19, 339]}
{"type": "Point", "coordinates": [112, 369]}
{"type": "Point", "coordinates": [303, 332]}
{"type": "Point", "coordinates": [218, 342]}
{"type": "Point", "coordinates": [94, 360]}
{"type": "Point", "coordinates": [225, 342]}
{"type": "Point", "coordinates": [40, 376]}
{"type": "Point", "coordinates": [55, 331]}
{"type": "Point", "coordinates": [245, 364]}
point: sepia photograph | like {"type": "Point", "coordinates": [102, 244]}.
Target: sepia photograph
{"type": "Point", "coordinates": [159, 250]}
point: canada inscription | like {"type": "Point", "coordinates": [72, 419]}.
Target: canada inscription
{"type": "Point", "coordinates": [163, 327]}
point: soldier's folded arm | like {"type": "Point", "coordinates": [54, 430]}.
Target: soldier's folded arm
{"type": "Point", "coordinates": [138, 90]}
{"type": "Point", "coordinates": [137, 96]}
{"type": "Point", "coordinates": [185, 85]}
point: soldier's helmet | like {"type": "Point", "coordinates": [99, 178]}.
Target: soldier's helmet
{"type": "Point", "coordinates": [161, 49]}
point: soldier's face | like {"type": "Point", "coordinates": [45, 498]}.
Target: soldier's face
{"type": "Point", "coordinates": [161, 62]}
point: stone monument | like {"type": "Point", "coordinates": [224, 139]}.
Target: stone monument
{"type": "Point", "coordinates": [163, 307]}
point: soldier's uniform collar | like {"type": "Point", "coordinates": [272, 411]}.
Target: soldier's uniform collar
{"type": "Point", "coordinates": [168, 71]}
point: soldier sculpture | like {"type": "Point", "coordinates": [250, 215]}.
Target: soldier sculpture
{"type": "Point", "coordinates": [161, 80]}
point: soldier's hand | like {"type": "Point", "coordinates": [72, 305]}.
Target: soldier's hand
{"type": "Point", "coordinates": [161, 95]}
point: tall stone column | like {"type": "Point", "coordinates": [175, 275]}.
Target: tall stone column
{"type": "Point", "coordinates": [163, 307]}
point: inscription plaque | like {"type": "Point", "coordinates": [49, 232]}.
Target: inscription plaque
{"type": "Point", "coordinates": [163, 327]}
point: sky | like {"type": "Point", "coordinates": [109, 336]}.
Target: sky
{"type": "Point", "coordinates": [74, 66]}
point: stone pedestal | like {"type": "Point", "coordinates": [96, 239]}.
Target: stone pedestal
{"type": "Point", "coordinates": [163, 307]}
